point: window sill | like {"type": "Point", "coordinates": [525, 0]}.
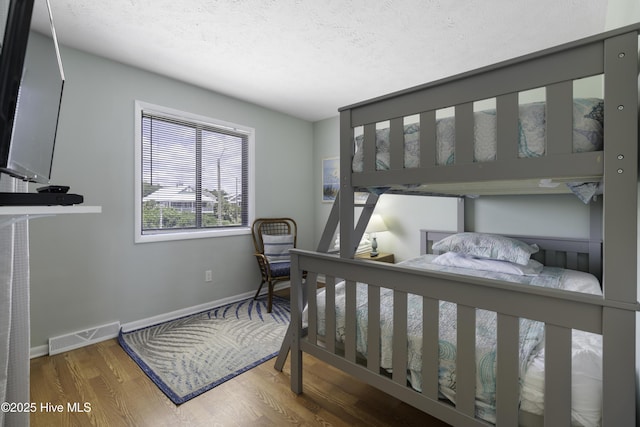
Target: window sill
{"type": "Point", "coordinates": [188, 235]}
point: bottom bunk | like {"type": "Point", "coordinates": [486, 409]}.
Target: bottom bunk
{"type": "Point", "coordinates": [521, 345]}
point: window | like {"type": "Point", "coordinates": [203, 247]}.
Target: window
{"type": "Point", "coordinates": [193, 175]}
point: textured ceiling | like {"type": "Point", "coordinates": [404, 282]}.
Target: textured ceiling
{"type": "Point", "coordinates": [307, 58]}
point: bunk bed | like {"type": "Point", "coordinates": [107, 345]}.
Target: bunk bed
{"type": "Point", "coordinates": [396, 154]}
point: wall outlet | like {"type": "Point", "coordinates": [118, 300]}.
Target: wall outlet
{"type": "Point", "coordinates": [208, 276]}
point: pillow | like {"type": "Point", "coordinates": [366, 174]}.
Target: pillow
{"type": "Point", "coordinates": [455, 259]}
{"type": "Point", "coordinates": [487, 246]}
{"type": "Point", "coordinates": [276, 247]}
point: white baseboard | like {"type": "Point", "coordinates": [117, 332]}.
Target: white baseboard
{"type": "Point", "coordinates": [67, 342]}
{"type": "Point", "coordinates": [165, 317]}
{"type": "Point", "coordinates": [79, 339]}
{"type": "Point", "coordinates": [39, 351]}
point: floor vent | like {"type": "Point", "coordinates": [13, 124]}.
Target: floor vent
{"type": "Point", "coordinates": [82, 338]}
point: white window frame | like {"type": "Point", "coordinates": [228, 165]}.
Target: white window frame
{"type": "Point", "coordinates": [139, 237]}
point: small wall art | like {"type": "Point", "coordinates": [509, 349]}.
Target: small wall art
{"type": "Point", "coordinates": [330, 179]}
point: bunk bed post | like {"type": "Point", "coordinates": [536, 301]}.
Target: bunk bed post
{"type": "Point", "coordinates": [295, 328]}
{"type": "Point", "coordinates": [620, 228]}
{"type": "Point", "coordinates": [347, 243]}
{"type": "Point", "coordinates": [595, 237]}
{"type": "Point", "coordinates": [460, 215]}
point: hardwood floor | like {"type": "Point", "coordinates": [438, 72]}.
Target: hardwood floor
{"type": "Point", "coordinates": [111, 390]}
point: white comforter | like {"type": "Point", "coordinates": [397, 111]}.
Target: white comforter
{"type": "Point", "coordinates": [587, 348]}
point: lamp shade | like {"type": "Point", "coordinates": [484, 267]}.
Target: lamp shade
{"type": "Point", "coordinates": [376, 224]}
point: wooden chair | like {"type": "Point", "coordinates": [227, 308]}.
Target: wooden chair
{"type": "Point", "coordinates": [272, 239]}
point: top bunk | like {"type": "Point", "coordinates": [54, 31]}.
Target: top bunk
{"type": "Point", "coordinates": [531, 125]}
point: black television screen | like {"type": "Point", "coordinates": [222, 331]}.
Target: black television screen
{"type": "Point", "coordinates": [31, 84]}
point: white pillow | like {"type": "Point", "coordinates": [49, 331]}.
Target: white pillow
{"type": "Point", "coordinates": [454, 259]}
{"type": "Point", "coordinates": [487, 246]}
{"type": "Point", "coordinates": [276, 247]}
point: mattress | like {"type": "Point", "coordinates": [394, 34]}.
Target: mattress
{"type": "Point", "coordinates": [586, 347]}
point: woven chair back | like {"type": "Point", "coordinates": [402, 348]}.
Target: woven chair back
{"type": "Point", "coordinates": [273, 227]}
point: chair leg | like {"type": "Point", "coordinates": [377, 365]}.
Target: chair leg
{"type": "Point", "coordinates": [259, 288]}
{"type": "Point", "coordinates": [270, 298]}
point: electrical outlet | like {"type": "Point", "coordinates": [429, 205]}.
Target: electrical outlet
{"type": "Point", "coordinates": [208, 276]}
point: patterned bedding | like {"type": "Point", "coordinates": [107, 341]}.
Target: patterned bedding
{"type": "Point", "coordinates": [588, 130]}
{"type": "Point", "coordinates": [531, 342]}
{"type": "Point", "coordinates": [588, 123]}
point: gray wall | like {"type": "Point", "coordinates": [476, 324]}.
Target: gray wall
{"type": "Point", "coordinates": [85, 269]}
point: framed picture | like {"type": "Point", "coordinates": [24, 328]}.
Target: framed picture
{"type": "Point", "coordinates": [330, 179]}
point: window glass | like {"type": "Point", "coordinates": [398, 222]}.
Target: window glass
{"type": "Point", "coordinates": [193, 175]}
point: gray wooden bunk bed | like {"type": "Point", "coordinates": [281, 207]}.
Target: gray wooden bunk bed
{"type": "Point", "coordinates": [382, 164]}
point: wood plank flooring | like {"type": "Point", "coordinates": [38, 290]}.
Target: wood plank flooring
{"type": "Point", "coordinates": [118, 393]}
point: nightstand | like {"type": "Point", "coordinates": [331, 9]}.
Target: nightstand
{"type": "Point", "coordinates": [382, 257]}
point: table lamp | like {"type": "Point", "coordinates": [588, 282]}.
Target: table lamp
{"type": "Point", "coordinates": [376, 225]}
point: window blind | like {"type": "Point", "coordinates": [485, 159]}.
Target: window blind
{"type": "Point", "coordinates": [194, 175]}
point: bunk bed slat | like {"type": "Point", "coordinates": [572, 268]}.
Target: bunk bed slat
{"type": "Point", "coordinates": [350, 321]}
{"type": "Point", "coordinates": [559, 118]}
{"type": "Point", "coordinates": [369, 147]}
{"type": "Point", "coordinates": [330, 314]}
{"type": "Point", "coordinates": [465, 360]}
{"type": "Point", "coordinates": [507, 126]}
{"type": "Point", "coordinates": [464, 140]}
{"type": "Point", "coordinates": [550, 258]}
{"type": "Point", "coordinates": [618, 373]}
{"type": "Point", "coordinates": [557, 378]}
{"type": "Point", "coordinates": [373, 329]}
{"type": "Point", "coordinates": [430, 347]}
{"type": "Point", "coordinates": [399, 361]}
{"type": "Point", "coordinates": [312, 311]}
{"type": "Point", "coordinates": [428, 139]}
{"type": "Point", "coordinates": [396, 138]}
{"type": "Point", "coordinates": [572, 260]}
{"type": "Point", "coordinates": [507, 384]}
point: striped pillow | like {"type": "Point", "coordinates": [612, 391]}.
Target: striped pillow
{"type": "Point", "coordinates": [276, 248]}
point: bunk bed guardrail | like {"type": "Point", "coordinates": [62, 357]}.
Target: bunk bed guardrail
{"type": "Point", "coordinates": [561, 311]}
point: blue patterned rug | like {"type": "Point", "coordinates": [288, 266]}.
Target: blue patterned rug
{"type": "Point", "coordinates": [188, 356]}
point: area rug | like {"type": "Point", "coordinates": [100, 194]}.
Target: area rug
{"type": "Point", "coordinates": [188, 356]}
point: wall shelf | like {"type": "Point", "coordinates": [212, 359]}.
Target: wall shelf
{"type": "Point", "coordinates": [12, 214]}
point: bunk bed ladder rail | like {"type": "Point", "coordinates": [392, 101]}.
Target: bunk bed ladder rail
{"type": "Point", "coordinates": [324, 246]}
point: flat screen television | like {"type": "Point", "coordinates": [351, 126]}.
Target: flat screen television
{"type": "Point", "coordinates": [31, 84]}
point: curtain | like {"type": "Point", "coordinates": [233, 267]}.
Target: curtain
{"type": "Point", "coordinates": [14, 311]}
